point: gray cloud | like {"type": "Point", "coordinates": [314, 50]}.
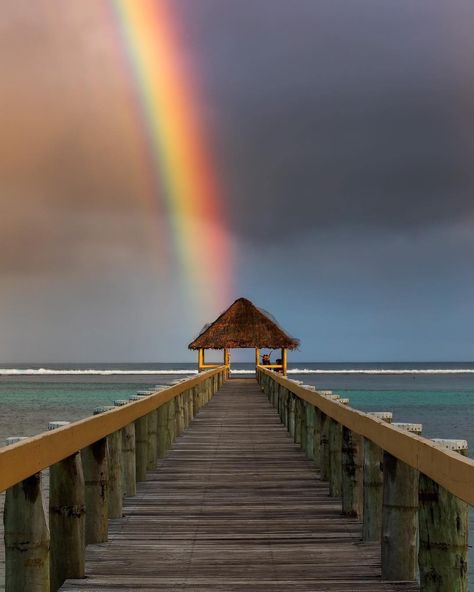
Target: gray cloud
{"type": "Point", "coordinates": [339, 114]}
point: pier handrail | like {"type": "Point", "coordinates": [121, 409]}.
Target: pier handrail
{"type": "Point", "coordinates": [27, 457]}
{"type": "Point", "coordinates": [449, 469]}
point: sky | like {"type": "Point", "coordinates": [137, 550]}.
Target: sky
{"type": "Point", "coordinates": [342, 137]}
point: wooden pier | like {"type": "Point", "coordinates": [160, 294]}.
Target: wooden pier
{"type": "Point", "coordinates": [232, 485]}
{"type": "Point", "coordinates": [234, 506]}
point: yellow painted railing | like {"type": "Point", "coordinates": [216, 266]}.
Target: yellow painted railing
{"type": "Point", "coordinates": [411, 494]}
{"type": "Point", "coordinates": [93, 464]}
{"type": "Point", "coordinates": [449, 469]}
{"type": "Point", "coordinates": [27, 457]}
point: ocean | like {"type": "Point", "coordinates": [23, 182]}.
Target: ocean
{"type": "Point", "coordinates": [438, 395]}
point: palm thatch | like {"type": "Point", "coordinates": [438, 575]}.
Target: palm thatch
{"type": "Point", "coordinates": [243, 325]}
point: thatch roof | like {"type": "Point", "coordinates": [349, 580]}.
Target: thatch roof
{"type": "Point", "coordinates": [243, 325]}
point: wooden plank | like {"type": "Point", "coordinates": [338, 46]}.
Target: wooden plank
{"type": "Point", "coordinates": [234, 506]}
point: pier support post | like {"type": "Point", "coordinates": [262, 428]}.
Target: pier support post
{"type": "Point", "coordinates": [352, 473]}
{"type": "Point", "coordinates": [186, 418]}
{"type": "Point", "coordinates": [189, 401]}
{"type": "Point", "coordinates": [373, 486]}
{"type": "Point", "coordinates": [291, 414]}
{"type": "Point", "coordinates": [335, 458]}
{"type": "Point", "coordinates": [310, 418]}
{"type": "Point", "coordinates": [171, 421]}
{"type": "Point", "coordinates": [285, 403]}
{"type": "Point", "coordinates": [114, 442]}
{"type": "Point", "coordinates": [304, 427]}
{"type": "Point", "coordinates": [272, 393]}
{"type": "Point", "coordinates": [152, 443]}
{"type": "Point", "coordinates": [129, 465]}
{"type": "Point", "coordinates": [114, 462]}
{"type": "Point", "coordinates": [141, 447]}
{"type": "Point", "coordinates": [279, 393]}
{"type": "Point", "coordinates": [179, 414]}
{"type": "Point", "coordinates": [324, 447]}
{"type": "Point", "coordinates": [317, 437]}
{"type": "Point", "coordinates": [194, 398]}
{"type": "Point", "coordinates": [26, 537]}
{"type": "Point", "coordinates": [277, 397]}
{"type": "Point", "coordinates": [95, 466]}
{"type": "Point", "coordinates": [400, 516]}
{"type": "Point", "coordinates": [444, 526]}
{"type": "Point", "coordinates": [129, 469]}
{"type": "Point", "coordinates": [66, 518]}
{"type": "Point", "coordinates": [165, 437]}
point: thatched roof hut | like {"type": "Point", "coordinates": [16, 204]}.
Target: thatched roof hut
{"type": "Point", "coordinates": [243, 325]}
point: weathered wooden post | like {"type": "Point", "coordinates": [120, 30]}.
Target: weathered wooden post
{"type": "Point", "coordinates": [317, 437]}
{"type": "Point", "coordinates": [195, 396]}
{"type": "Point", "coordinates": [180, 414]}
{"type": "Point", "coordinates": [184, 399]}
{"type": "Point", "coordinates": [189, 403]}
{"type": "Point", "coordinates": [324, 447]}
{"type": "Point", "coordinates": [171, 421]}
{"type": "Point", "coordinates": [129, 464]}
{"type": "Point", "coordinates": [279, 398]}
{"type": "Point", "coordinates": [165, 423]}
{"type": "Point", "coordinates": [175, 403]}
{"type": "Point", "coordinates": [271, 395]}
{"type": "Point", "coordinates": [291, 414]}
{"type": "Point", "coordinates": [95, 467]}
{"type": "Point", "coordinates": [114, 483]}
{"type": "Point", "coordinates": [352, 473]}
{"type": "Point", "coordinates": [284, 405]}
{"type": "Point", "coordinates": [373, 485]}
{"type": "Point", "coordinates": [304, 427]}
{"type": "Point", "coordinates": [129, 468]}
{"type": "Point", "coordinates": [400, 516]}
{"type": "Point", "coordinates": [66, 518]}
{"type": "Point", "coordinates": [141, 447]}
{"type": "Point", "coordinates": [152, 440]}
{"type": "Point", "coordinates": [26, 536]}
{"type": "Point", "coordinates": [310, 420]}
{"type": "Point", "coordinates": [307, 435]}
{"type": "Point", "coordinates": [335, 458]}
{"type": "Point", "coordinates": [444, 526]}
{"type": "Point", "coordinates": [298, 419]}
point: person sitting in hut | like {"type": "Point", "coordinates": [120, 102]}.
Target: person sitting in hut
{"type": "Point", "coordinates": [266, 360]}
{"type": "Point", "coordinates": [279, 362]}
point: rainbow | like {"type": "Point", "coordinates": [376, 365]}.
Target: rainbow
{"type": "Point", "coordinates": [183, 173]}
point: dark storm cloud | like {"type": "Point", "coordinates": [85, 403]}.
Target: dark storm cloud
{"type": "Point", "coordinates": [339, 114]}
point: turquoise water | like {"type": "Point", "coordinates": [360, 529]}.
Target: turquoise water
{"type": "Point", "coordinates": [444, 414]}
{"type": "Point", "coordinates": [27, 407]}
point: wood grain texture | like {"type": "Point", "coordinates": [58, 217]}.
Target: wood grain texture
{"type": "Point", "coordinates": [234, 506]}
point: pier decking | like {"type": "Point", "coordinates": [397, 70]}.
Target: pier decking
{"type": "Point", "coordinates": [234, 506]}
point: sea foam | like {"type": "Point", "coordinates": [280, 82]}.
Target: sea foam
{"type": "Point", "coordinates": [236, 371]}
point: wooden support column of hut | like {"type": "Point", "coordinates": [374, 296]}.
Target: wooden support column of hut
{"type": "Point", "coordinates": [243, 326]}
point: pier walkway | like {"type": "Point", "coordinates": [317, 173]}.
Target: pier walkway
{"type": "Point", "coordinates": [235, 505]}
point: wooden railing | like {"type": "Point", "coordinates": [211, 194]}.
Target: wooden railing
{"type": "Point", "coordinates": [93, 464]}
{"type": "Point", "coordinates": [411, 494]}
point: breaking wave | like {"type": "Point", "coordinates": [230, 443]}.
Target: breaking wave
{"type": "Point", "coordinates": [236, 371]}
{"type": "Point", "coordinates": [87, 372]}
